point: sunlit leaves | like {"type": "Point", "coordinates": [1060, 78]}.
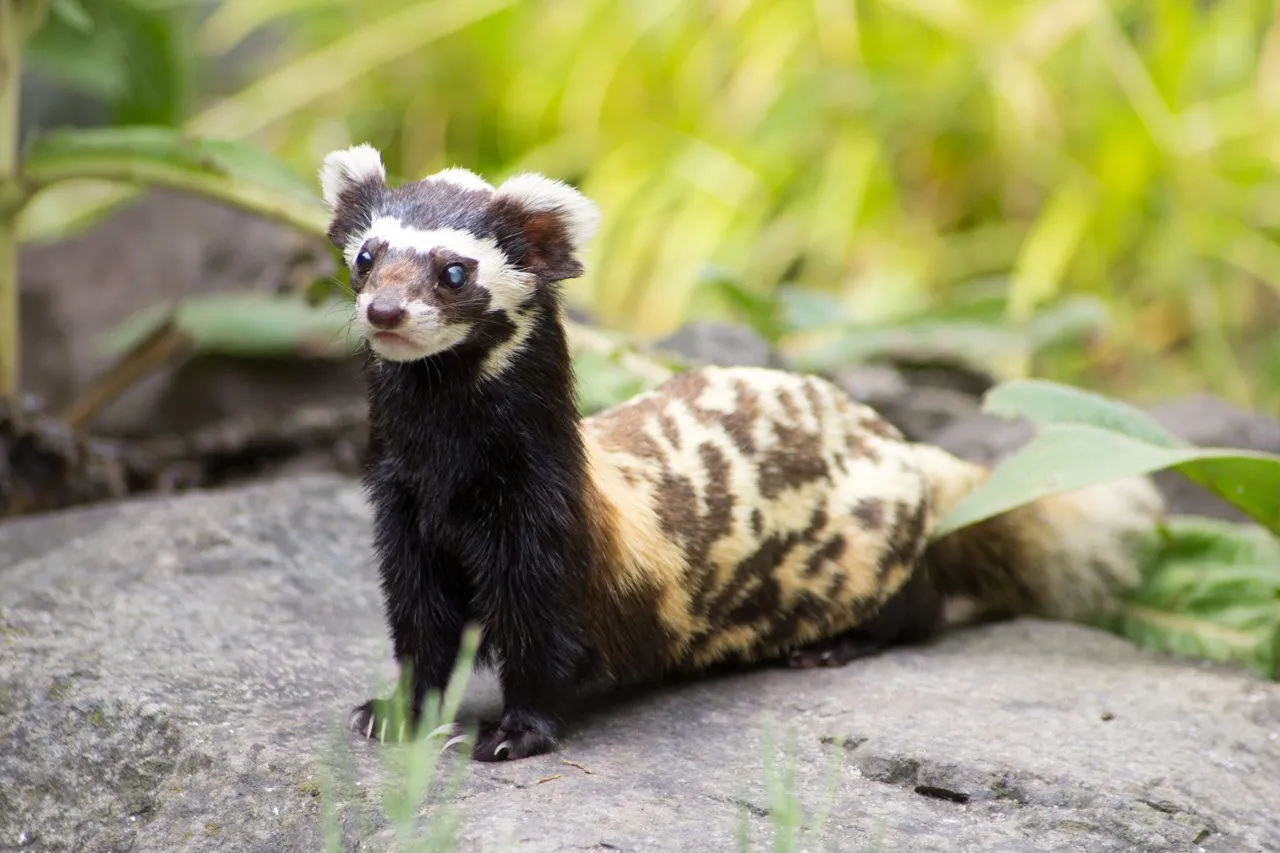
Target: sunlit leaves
{"type": "Point", "coordinates": [885, 152]}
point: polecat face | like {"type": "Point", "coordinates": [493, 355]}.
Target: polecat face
{"type": "Point", "coordinates": [450, 261]}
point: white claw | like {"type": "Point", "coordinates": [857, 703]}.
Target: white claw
{"type": "Point", "coordinates": [451, 741]}
{"type": "Point", "coordinates": [400, 737]}
{"type": "Point", "coordinates": [382, 731]}
{"type": "Point", "coordinates": [501, 748]}
{"type": "Point", "coordinates": [447, 728]}
{"type": "Point", "coordinates": [368, 732]}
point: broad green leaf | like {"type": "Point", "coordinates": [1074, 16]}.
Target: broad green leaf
{"type": "Point", "coordinates": [1211, 589]}
{"type": "Point", "coordinates": [1066, 457]}
{"type": "Point", "coordinates": [231, 172]}
{"type": "Point", "coordinates": [253, 325]}
{"type": "Point", "coordinates": [1043, 403]}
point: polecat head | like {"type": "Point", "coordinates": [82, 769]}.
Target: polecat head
{"type": "Point", "coordinates": [450, 261]}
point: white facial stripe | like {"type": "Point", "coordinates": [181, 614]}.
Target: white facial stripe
{"type": "Point", "coordinates": [425, 331]}
{"type": "Point", "coordinates": [504, 353]}
{"type": "Point", "coordinates": [350, 166]}
{"type": "Point", "coordinates": [508, 287]}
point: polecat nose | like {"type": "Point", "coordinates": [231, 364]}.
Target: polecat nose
{"type": "Point", "coordinates": [385, 314]}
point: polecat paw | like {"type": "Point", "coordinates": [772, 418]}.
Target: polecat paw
{"type": "Point", "coordinates": [496, 743]}
{"type": "Point", "coordinates": [372, 721]}
{"type": "Point", "coordinates": [375, 720]}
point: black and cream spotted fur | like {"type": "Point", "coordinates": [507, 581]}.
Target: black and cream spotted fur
{"type": "Point", "coordinates": [730, 515]}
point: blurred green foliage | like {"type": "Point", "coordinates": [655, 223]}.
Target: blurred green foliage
{"type": "Point", "coordinates": [133, 55]}
{"type": "Point", "coordinates": [822, 169]}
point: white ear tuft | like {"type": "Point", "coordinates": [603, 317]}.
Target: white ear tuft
{"type": "Point", "coordinates": [463, 178]}
{"type": "Point", "coordinates": [349, 167]}
{"type": "Point", "coordinates": [539, 194]}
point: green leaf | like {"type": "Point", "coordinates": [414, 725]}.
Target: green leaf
{"type": "Point", "coordinates": [253, 325]}
{"type": "Point", "coordinates": [232, 172]}
{"type": "Point", "coordinates": [1043, 402]}
{"type": "Point", "coordinates": [1066, 457]}
{"type": "Point", "coordinates": [1211, 589]}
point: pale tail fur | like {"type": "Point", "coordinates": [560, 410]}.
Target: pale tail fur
{"type": "Point", "coordinates": [1066, 556]}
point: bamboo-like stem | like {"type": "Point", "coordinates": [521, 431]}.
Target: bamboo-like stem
{"type": "Point", "coordinates": [309, 218]}
{"type": "Point", "coordinates": [11, 32]}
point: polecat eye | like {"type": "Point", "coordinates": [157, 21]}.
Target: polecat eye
{"type": "Point", "coordinates": [454, 275]}
{"type": "Point", "coordinates": [364, 261]}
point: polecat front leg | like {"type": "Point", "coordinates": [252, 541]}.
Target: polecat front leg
{"type": "Point", "coordinates": [537, 637]}
{"type": "Point", "coordinates": [426, 601]}
{"type": "Point", "coordinates": [533, 694]}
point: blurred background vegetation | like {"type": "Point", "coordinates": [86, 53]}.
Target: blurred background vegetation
{"type": "Point", "coordinates": [1085, 190]}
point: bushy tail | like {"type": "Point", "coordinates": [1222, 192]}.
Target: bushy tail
{"type": "Point", "coordinates": [1066, 556]}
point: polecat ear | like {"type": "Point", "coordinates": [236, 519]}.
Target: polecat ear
{"type": "Point", "coordinates": [351, 180]}
{"type": "Point", "coordinates": [543, 223]}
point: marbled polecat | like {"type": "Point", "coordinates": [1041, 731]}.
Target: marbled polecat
{"type": "Point", "coordinates": [730, 515]}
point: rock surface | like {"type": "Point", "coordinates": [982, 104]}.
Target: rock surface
{"type": "Point", "coordinates": [724, 344]}
{"type": "Point", "coordinates": [174, 673]}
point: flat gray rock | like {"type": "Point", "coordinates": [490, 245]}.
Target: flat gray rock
{"type": "Point", "coordinates": [174, 675]}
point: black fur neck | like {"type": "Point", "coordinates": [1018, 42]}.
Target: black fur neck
{"type": "Point", "coordinates": [442, 411]}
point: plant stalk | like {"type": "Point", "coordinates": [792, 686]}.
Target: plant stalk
{"type": "Point", "coordinates": [11, 32]}
{"type": "Point", "coordinates": [308, 218]}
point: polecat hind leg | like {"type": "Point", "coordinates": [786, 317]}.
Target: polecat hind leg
{"type": "Point", "coordinates": [911, 615]}
{"type": "Point", "coordinates": [836, 651]}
